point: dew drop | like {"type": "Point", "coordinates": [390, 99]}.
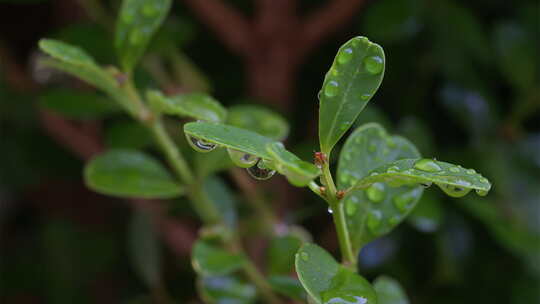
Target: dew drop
{"type": "Point", "coordinates": [365, 96]}
{"type": "Point", "coordinates": [376, 193]}
{"type": "Point", "coordinates": [481, 192]}
{"type": "Point", "coordinates": [454, 169]}
{"type": "Point", "coordinates": [471, 171]}
{"type": "Point", "coordinates": [427, 165]}
{"type": "Point", "coordinates": [241, 159]}
{"type": "Point", "coordinates": [374, 220]}
{"type": "Point", "coordinates": [484, 180]}
{"type": "Point", "coordinates": [334, 72]}
{"type": "Point", "coordinates": [345, 55]}
{"type": "Point", "coordinates": [200, 145]}
{"type": "Point", "coordinates": [260, 172]}
{"type": "Point", "coordinates": [331, 89]}
{"type": "Point", "coordinates": [304, 256]}
{"type": "Point", "coordinates": [393, 169]}
{"type": "Point", "coordinates": [374, 64]}
{"type": "Point", "coordinates": [453, 191]}
{"type": "Point", "coordinates": [330, 210]}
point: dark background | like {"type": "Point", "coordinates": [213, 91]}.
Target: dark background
{"type": "Point", "coordinates": [461, 81]}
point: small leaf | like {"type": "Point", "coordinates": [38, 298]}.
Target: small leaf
{"type": "Point", "coordinates": [377, 210]}
{"type": "Point", "coordinates": [326, 281]}
{"type": "Point", "coordinates": [229, 137]}
{"type": "Point", "coordinates": [287, 286]}
{"type": "Point", "coordinates": [389, 291]}
{"type": "Point", "coordinates": [350, 83]}
{"type": "Point", "coordinates": [209, 259]}
{"type": "Point", "coordinates": [128, 135]}
{"type": "Point", "coordinates": [138, 20]}
{"type": "Point", "coordinates": [298, 172]}
{"type": "Point", "coordinates": [144, 248]}
{"type": "Point", "coordinates": [129, 173]}
{"type": "Point", "coordinates": [226, 289]}
{"type": "Point", "coordinates": [77, 105]}
{"type": "Point", "coordinates": [194, 105]}
{"type": "Point", "coordinates": [259, 120]}
{"type": "Point", "coordinates": [453, 180]}
{"type": "Point", "coordinates": [65, 52]}
{"type": "Point", "coordinates": [281, 254]}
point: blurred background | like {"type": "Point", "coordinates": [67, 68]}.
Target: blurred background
{"type": "Point", "coordinates": [462, 81]}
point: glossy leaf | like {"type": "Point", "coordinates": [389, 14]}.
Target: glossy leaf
{"type": "Point", "coordinates": [375, 211]}
{"type": "Point", "coordinates": [453, 180]}
{"type": "Point", "coordinates": [130, 173]}
{"type": "Point", "coordinates": [128, 135]}
{"type": "Point", "coordinates": [287, 286]}
{"type": "Point", "coordinates": [144, 248]}
{"type": "Point", "coordinates": [138, 20]}
{"type": "Point", "coordinates": [281, 254]}
{"type": "Point", "coordinates": [260, 120]}
{"type": "Point", "coordinates": [327, 281]}
{"type": "Point", "coordinates": [350, 83]}
{"type": "Point", "coordinates": [389, 291]}
{"type": "Point", "coordinates": [77, 105]}
{"type": "Point", "coordinates": [209, 259]}
{"type": "Point", "coordinates": [226, 290]}
{"type": "Point", "coordinates": [298, 172]}
{"type": "Point", "coordinates": [194, 105]}
{"type": "Point", "coordinates": [229, 137]}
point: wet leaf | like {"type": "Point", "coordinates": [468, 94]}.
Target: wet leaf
{"type": "Point", "coordinates": [137, 22]}
{"type": "Point", "coordinates": [130, 173]}
{"type": "Point", "coordinates": [209, 259]}
{"type": "Point", "coordinates": [389, 291]}
{"type": "Point", "coordinates": [199, 106]}
{"type": "Point", "coordinates": [260, 120]}
{"type": "Point", "coordinates": [374, 211]}
{"type": "Point", "coordinates": [327, 281]}
{"type": "Point", "coordinates": [298, 172]}
{"type": "Point", "coordinates": [350, 83]}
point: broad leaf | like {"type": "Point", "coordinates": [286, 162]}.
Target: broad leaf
{"type": "Point", "coordinates": [298, 172]}
{"type": "Point", "coordinates": [389, 291]}
{"type": "Point", "coordinates": [453, 180]}
{"type": "Point", "coordinates": [375, 211]}
{"type": "Point", "coordinates": [77, 105]}
{"type": "Point", "coordinates": [128, 135]}
{"type": "Point", "coordinates": [144, 248]}
{"type": "Point", "coordinates": [287, 286]}
{"type": "Point", "coordinates": [260, 120]}
{"type": "Point", "coordinates": [209, 259]}
{"type": "Point", "coordinates": [225, 290]}
{"type": "Point", "coordinates": [327, 281]}
{"type": "Point", "coordinates": [229, 137]}
{"type": "Point", "coordinates": [130, 173]}
{"type": "Point", "coordinates": [138, 20]}
{"type": "Point", "coordinates": [281, 254]}
{"type": "Point", "coordinates": [350, 83]}
{"type": "Point", "coordinates": [194, 105]}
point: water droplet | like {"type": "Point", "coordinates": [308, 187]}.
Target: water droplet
{"type": "Point", "coordinates": [331, 89]}
{"type": "Point", "coordinates": [374, 174]}
{"type": "Point", "coordinates": [330, 210]}
{"type": "Point", "coordinates": [374, 64]}
{"type": "Point", "coordinates": [334, 72]}
{"type": "Point", "coordinates": [393, 169]}
{"type": "Point", "coordinates": [403, 201]}
{"type": "Point", "coordinates": [200, 145]}
{"type": "Point", "coordinates": [365, 96]}
{"type": "Point", "coordinates": [463, 183]}
{"type": "Point", "coordinates": [339, 298]}
{"type": "Point", "coordinates": [428, 165]}
{"type": "Point", "coordinates": [376, 193]}
{"type": "Point", "coordinates": [484, 180]}
{"type": "Point", "coordinates": [471, 171]}
{"type": "Point", "coordinates": [374, 220]}
{"type": "Point", "coordinates": [454, 169]}
{"type": "Point", "coordinates": [304, 256]}
{"type": "Point", "coordinates": [426, 184]}
{"type": "Point", "coordinates": [481, 192]}
{"type": "Point", "coordinates": [453, 191]}
{"type": "Point", "coordinates": [241, 159]}
{"type": "Point", "coordinates": [345, 55]}
{"type": "Point", "coordinates": [260, 171]}
{"type": "Point", "coordinates": [150, 10]}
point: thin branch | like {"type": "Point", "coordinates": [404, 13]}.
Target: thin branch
{"type": "Point", "coordinates": [327, 20]}
{"type": "Point", "coordinates": [231, 27]}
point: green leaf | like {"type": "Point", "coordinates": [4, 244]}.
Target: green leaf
{"type": "Point", "coordinates": [229, 137]}
{"type": "Point", "coordinates": [77, 105]}
{"type": "Point", "coordinates": [377, 210]}
{"type": "Point", "coordinates": [259, 120]}
{"type": "Point", "coordinates": [224, 200]}
{"type": "Point", "coordinates": [287, 286]}
{"type": "Point", "coordinates": [350, 83]}
{"type": "Point", "coordinates": [138, 20]}
{"type": "Point", "coordinates": [327, 281]}
{"type": "Point", "coordinates": [194, 105]}
{"type": "Point", "coordinates": [298, 172]}
{"type": "Point", "coordinates": [94, 39]}
{"type": "Point", "coordinates": [389, 291]}
{"type": "Point", "coordinates": [209, 259]}
{"type": "Point", "coordinates": [66, 53]}
{"type": "Point", "coordinates": [226, 290]}
{"type": "Point", "coordinates": [130, 173]}
{"type": "Point", "coordinates": [453, 180]}
{"type": "Point", "coordinates": [128, 135]}
{"type": "Point", "coordinates": [144, 248]}
{"type": "Point", "coordinates": [281, 254]}
{"type": "Point", "coordinates": [427, 216]}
